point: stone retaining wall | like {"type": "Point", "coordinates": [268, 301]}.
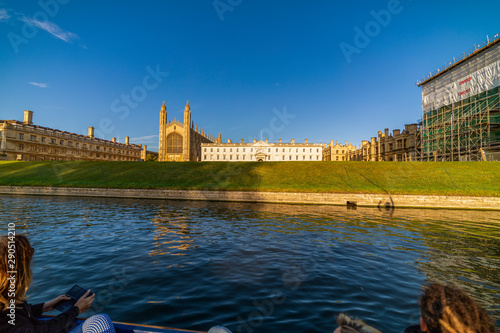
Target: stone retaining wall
{"type": "Point", "coordinates": [368, 200]}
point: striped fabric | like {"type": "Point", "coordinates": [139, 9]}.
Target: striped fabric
{"type": "Point", "coordinates": [99, 323]}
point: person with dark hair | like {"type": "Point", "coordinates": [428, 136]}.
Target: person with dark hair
{"type": "Point", "coordinates": [16, 315]}
{"type": "Point", "coordinates": [449, 309]}
{"type": "Point", "coordinates": [348, 325]}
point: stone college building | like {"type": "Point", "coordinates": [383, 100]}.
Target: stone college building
{"type": "Point", "coordinates": [24, 141]}
{"type": "Point", "coordinates": [180, 141]}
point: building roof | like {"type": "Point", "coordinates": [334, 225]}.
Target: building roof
{"type": "Point", "coordinates": [20, 123]}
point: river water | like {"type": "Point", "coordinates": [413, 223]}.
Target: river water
{"type": "Point", "coordinates": [254, 267]}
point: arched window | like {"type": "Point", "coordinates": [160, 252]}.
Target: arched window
{"type": "Point", "coordinates": [174, 144]}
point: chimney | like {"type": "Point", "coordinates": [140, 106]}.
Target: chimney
{"type": "Point", "coordinates": [331, 143]}
{"type": "Point", "coordinates": [28, 117]}
{"type": "Point", "coordinates": [293, 141]}
{"type": "Point", "coordinates": [113, 139]}
{"type": "Point", "coordinates": [91, 132]}
{"type": "Point", "coordinates": [241, 141]}
{"type": "Point", "coordinates": [254, 140]}
{"type": "Point", "coordinates": [229, 141]}
{"type": "Point", "coordinates": [305, 141]}
{"type": "Point", "coordinates": [144, 152]}
{"type": "Point", "coordinates": [267, 141]}
{"type": "Point", "coordinates": [127, 140]}
{"type": "Point", "coordinates": [279, 141]}
{"type": "Point", "coordinates": [396, 132]}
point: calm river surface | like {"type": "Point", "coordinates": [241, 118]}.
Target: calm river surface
{"type": "Point", "coordinates": [254, 267]}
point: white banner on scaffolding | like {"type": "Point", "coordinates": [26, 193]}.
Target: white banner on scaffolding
{"type": "Point", "coordinates": [483, 80]}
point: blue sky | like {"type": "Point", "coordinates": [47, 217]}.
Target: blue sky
{"type": "Point", "coordinates": [286, 69]}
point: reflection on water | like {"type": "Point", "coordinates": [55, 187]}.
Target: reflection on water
{"type": "Point", "coordinates": [172, 235]}
{"type": "Point", "coordinates": [255, 267]}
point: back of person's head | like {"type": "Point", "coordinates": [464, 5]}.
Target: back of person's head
{"type": "Point", "coordinates": [449, 309]}
{"type": "Point", "coordinates": [348, 325]}
{"type": "Point", "coordinates": [15, 256]}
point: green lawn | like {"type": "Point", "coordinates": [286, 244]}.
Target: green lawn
{"type": "Point", "coordinates": [450, 178]}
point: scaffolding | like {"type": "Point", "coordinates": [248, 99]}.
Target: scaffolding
{"type": "Point", "coordinates": [458, 125]}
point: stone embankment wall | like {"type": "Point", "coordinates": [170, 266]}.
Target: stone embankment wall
{"type": "Point", "coordinates": [367, 200]}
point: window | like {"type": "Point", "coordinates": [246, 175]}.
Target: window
{"type": "Point", "coordinates": [276, 149]}
{"type": "Point", "coordinates": [337, 152]}
{"type": "Point", "coordinates": [230, 150]}
{"type": "Point", "coordinates": [205, 156]}
{"type": "Point", "coordinates": [32, 148]}
{"type": "Point", "coordinates": [21, 146]}
{"type": "Point", "coordinates": [237, 157]}
{"type": "Point", "coordinates": [53, 141]}
{"type": "Point", "coordinates": [290, 157]}
{"type": "Point", "coordinates": [211, 150]}
{"type": "Point", "coordinates": [317, 158]}
{"type": "Point", "coordinates": [21, 136]}
{"type": "Point", "coordinates": [33, 137]}
{"type": "Point", "coordinates": [77, 145]}
{"type": "Point", "coordinates": [317, 150]}
{"type": "Point", "coordinates": [174, 144]}
{"type": "Point", "coordinates": [303, 150]}
{"type": "Point", "coordinates": [243, 156]}
{"type": "Point", "coordinates": [43, 139]}
{"type": "Point", "coordinates": [217, 156]}
{"type": "Point", "coordinates": [61, 142]}
{"type": "Point", "coordinates": [98, 148]}
{"type": "Point", "coordinates": [243, 149]}
{"type": "Point", "coordinates": [70, 143]}
{"type": "Point", "coordinates": [43, 149]}
{"type": "Point", "coordinates": [205, 150]}
{"type": "Point", "coordinates": [217, 149]}
{"type": "Point", "coordinates": [237, 149]}
{"type": "Point", "coordinates": [296, 150]}
{"type": "Point", "coordinates": [337, 158]}
{"type": "Point", "coordinates": [297, 157]}
{"type": "Point", "coordinates": [230, 157]}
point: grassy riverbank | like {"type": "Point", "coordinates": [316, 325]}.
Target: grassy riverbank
{"type": "Point", "coordinates": [451, 178]}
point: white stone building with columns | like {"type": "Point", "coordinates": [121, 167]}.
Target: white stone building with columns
{"type": "Point", "coordinates": [261, 151]}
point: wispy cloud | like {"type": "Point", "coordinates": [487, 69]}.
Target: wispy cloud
{"type": "Point", "coordinates": [40, 85]}
{"type": "Point", "coordinates": [4, 15]}
{"type": "Point", "coordinates": [51, 28]}
{"type": "Point", "coordinates": [146, 139]}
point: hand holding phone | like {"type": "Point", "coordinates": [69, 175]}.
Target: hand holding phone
{"type": "Point", "coordinates": [76, 294]}
{"type": "Point", "coordinates": [83, 304]}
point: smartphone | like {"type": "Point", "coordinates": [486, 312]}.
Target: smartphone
{"type": "Point", "coordinates": [75, 293]}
